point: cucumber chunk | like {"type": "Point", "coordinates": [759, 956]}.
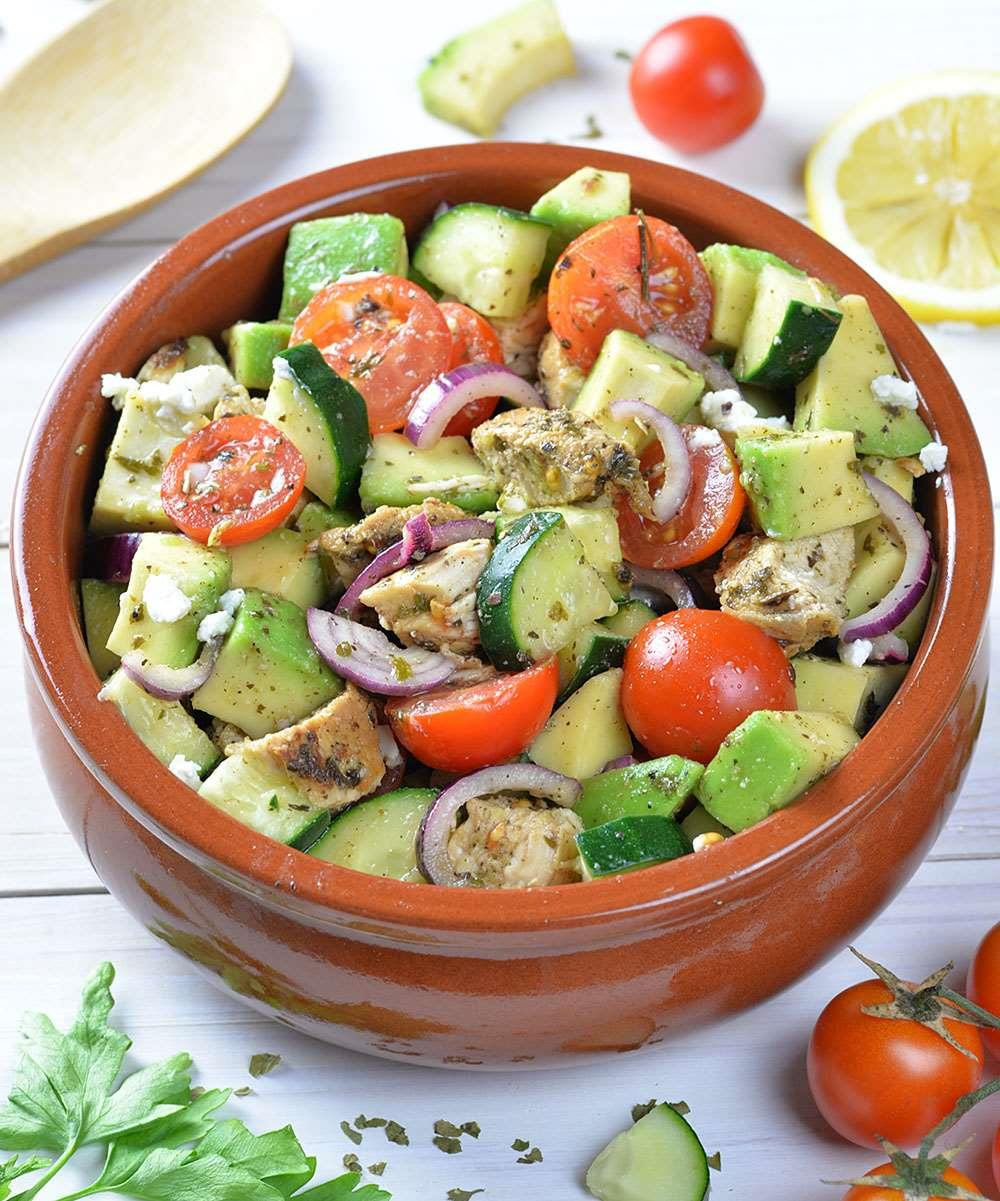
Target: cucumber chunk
{"type": "Point", "coordinates": [660, 1158]}
{"type": "Point", "coordinates": [660, 786]}
{"type": "Point", "coordinates": [536, 590]}
{"type": "Point", "coordinates": [317, 517]}
{"type": "Point", "coordinates": [733, 271]}
{"type": "Point", "coordinates": [585, 198]}
{"type": "Point", "coordinates": [99, 601]}
{"type": "Point", "coordinates": [630, 618]}
{"type": "Point", "coordinates": [586, 732]}
{"type": "Point", "coordinates": [321, 251]}
{"type": "Point", "coordinates": [487, 257]}
{"type": "Point", "coordinates": [324, 417]}
{"type": "Point", "coordinates": [252, 346]}
{"type": "Point", "coordinates": [594, 649]}
{"type": "Point", "coordinates": [379, 835]}
{"type": "Point", "coordinates": [475, 78]}
{"type": "Point", "coordinates": [164, 727]}
{"type": "Point", "coordinates": [280, 562]}
{"type": "Point", "coordinates": [398, 473]}
{"type": "Point", "coordinates": [628, 843]}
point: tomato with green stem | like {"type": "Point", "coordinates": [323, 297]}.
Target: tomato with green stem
{"type": "Point", "coordinates": [636, 273]}
{"type": "Point", "coordinates": [983, 985]}
{"type": "Point", "coordinates": [885, 1192]}
{"type": "Point", "coordinates": [233, 481]}
{"type": "Point", "coordinates": [474, 340]}
{"type": "Point", "coordinates": [463, 729]}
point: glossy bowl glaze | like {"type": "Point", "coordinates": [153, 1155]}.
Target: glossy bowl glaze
{"type": "Point", "coordinates": [486, 978]}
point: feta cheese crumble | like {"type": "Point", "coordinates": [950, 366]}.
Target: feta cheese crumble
{"type": "Point", "coordinates": [163, 600]}
{"type": "Point", "coordinates": [702, 438]}
{"type": "Point", "coordinates": [219, 623]}
{"type": "Point", "coordinates": [891, 390]}
{"type": "Point", "coordinates": [116, 387]}
{"type": "Point", "coordinates": [189, 393]}
{"type": "Point", "coordinates": [934, 456]}
{"type": "Point", "coordinates": [230, 601]}
{"type": "Point", "coordinates": [727, 412]}
{"type": "Point", "coordinates": [854, 653]}
{"type": "Point", "coordinates": [186, 770]}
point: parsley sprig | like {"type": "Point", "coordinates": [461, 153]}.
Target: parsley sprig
{"type": "Point", "coordinates": [163, 1141]}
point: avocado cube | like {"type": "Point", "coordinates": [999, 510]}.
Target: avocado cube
{"type": "Point", "coordinates": [283, 563]}
{"type": "Point", "coordinates": [317, 517]}
{"type": "Point", "coordinates": [733, 271]}
{"type": "Point", "coordinates": [268, 674]}
{"type": "Point", "coordinates": [99, 601]}
{"type": "Point", "coordinates": [585, 732]}
{"type": "Point", "coordinates": [321, 251]}
{"type": "Point", "coordinates": [700, 821]}
{"type": "Point", "coordinates": [770, 759]}
{"type": "Point", "coordinates": [183, 566]}
{"type": "Point", "coordinates": [802, 484]}
{"type": "Point", "coordinates": [163, 727]}
{"type": "Point", "coordinates": [585, 198]}
{"type": "Point", "coordinates": [854, 694]}
{"type": "Point", "coordinates": [658, 786]}
{"type": "Point", "coordinates": [878, 562]}
{"type": "Point", "coordinates": [837, 393]}
{"type": "Point", "coordinates": [252, 346]}
{"type": "Point", "coordinates": [890, 472]}
{"type": "Point", "coordinates": [398, 473]}
{"type": "Point", "coordinates": [629, 367]}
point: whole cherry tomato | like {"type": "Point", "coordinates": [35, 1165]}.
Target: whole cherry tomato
{"type": "Point", "coordinates": [862, 1192]}
{"type": "Point", "coordinates": [984, 983]}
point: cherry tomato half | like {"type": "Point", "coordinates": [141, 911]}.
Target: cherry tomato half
{"type": "Point", "coordinates": [984, 983]}
{"type": "Point", "coordinates": [695, 86]}
{"type": "Point", "coordinates": [892, 1077]}
{"type": "Point", "coordinates": [385, 335]}
{"type": "Point", "coordinates": [707, 519]}
{"type": "Point", "coordinates": [463, 729]}
{"type": "Point", "coordinates": [634, 273]}
{"type": "Point", "coordinates": [875, 1192]}
{"type": "Point", "coordinates": [239, 475]}
{"type": "Point", "coordinates": [692, 676]}
{"type": "Point", "coordinates": [474, 340]}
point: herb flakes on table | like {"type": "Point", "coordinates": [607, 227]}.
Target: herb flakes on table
{"type": "Point", "coordinates": [461, 1194]}
{"type": "Point", "coordinates": [351, 1133]}
{"type": "Point", "coordinates": [262, 1063]}
{"type": "Point", "coordinates": [591, 130]}
{"type": "Point", "coordinates": [396, 1134]}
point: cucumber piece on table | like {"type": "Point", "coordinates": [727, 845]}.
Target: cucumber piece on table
{"type": "Point", "coordinates": [487, 257]}
{"type": "Point", "coordinates": [630, 618]}
{"type": "Point", "coordinates": [378, 835]}
{"type": "Point", "coordinates": [792, 323]}
{"type": "Point", "coordinates": [628, 843]}
{"type": "Point", "coordinates": [100, 601]}
{"type": "Point", "coordinates": [594, 649]}
{"type": "Point", "coordinates": [324, 417]}
{"type": "Point", "coordinates": [660, 786]}
{"type": "Point", "coordinates": [536, 590]}
{"type": "Point", "coordinates": [660, 1158]}
{"type": "Point", "coordinates": [252, 346]}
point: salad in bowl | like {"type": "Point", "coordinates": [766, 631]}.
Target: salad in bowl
{"type": "Point", "coordinates": [543, 549]}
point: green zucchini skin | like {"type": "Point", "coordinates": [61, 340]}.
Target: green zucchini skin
{"type": "Point", "coordinates": [803, 336]}
{"type": "Point", "coordinates": [628, 843]}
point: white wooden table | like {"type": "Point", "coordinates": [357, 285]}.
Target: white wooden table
{"type": "Point", "coordinates": [351, 95]}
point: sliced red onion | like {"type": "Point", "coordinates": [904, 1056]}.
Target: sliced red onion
{"type": "Point", "coordinates": [419, 539]}
{"type": "Point", "coordinates": [171, 683]}
{"type": "Point", "coordinates": [367, 658]}
{"type": "Point", "coordinates": [449, 393]}
{"type": "Point", "coordinates": [715, 375]}
{"type": "Point", "coordinates": [888, 648]}
{"type": "Point", "coordinates": [676, 459]}
{"type": "Point", "coordinates": [913, 580]}
{"type": "Point", "coordinates": [669, 583]}
{"type": "Point", "coordinates": [394, 759]}
{"type": "Point", "coordinates": [441, 209]}
{"type": "Point", "coordinates": [111, 558]}
{"type": "Point", "coordinates": [621, 761]}
{"type": "Point", "coordinates": [438, 824]}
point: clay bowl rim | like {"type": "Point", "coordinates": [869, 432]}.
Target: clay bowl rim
{"type": "Point", "coordinates": [288, 879]}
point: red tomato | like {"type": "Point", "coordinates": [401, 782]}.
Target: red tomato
{"type": "Point", "coordinates": [862, 1192]}
{"type": "Point", "coordinates": [597, 286]}
{"type": "Point", "coordinates": [692, 676]}
{"type": "Point", "coordinates": [463, 729]}
{"type": "Point", "coordinates": [238, 473]}
{"type": "Point", "coordinates": [707, 519]}
{"type": "Point", "coordinates": [385, 335]}
{"type": "Point", "coordinates": [886, 1076]}
{"type": "Point", "coordinates": [984, 983]}
{"type": "Point", "coordinates": [695, 86]}
{"type": "Point", "coordinates": [474, 340]}
{"type": "Point", "coordinates": [996, 1157]}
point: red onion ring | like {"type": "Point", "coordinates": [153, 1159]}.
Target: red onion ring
{"type": "Point", "coordinates": [676, 458]}
{"type": "Point", "coordinates": [913, 580]}
{"type": "Point", "coordinates": [111, 558]}
{"type": "Point", "coordinates": [438, 824]}
{"type": "Point", "coordinates": [889, 648]}
{"type": "Point", "coordinates": [716, 377]}
{"type": "Point", "coordinates": [449, 393]}
{"type": "Point", "coordinates": [670, 583]}
{"type": "Point", "coordinates": [621, 761]}
{"type": "Point", "coordinates": [420, 539]}
{"type": "Point", "coordinates": [367, 658]}
{"type": "Point", "coordinates": [171, 683]}
{"type": "Point", "coordinates": [394, 759]}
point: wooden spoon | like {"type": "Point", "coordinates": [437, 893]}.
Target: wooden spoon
{"type": "Point", "coordinates": [124, 107]}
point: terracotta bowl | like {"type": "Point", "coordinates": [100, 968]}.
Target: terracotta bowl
{"type": "Point", "coordinates": [485, 978]}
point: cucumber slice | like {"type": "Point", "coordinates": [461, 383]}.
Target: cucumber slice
{"type": "Point", "coordinates": [252, 346]}
{"type": "Point", "coordinates": [100, 601]}
{"type": "Point", "coordinates": [792, 323]}
{"type": "Point", "coordinates": [594, 649]}
{"type": "Point", "coordinates": [536, 590]}
{"type": "Point", "coordinates": [379, 836]}
{"type": "Point", "coordinates": [660, 786]}
{"type": "Point", "coordinates": [316, 517]}
{"type": "Point", "coordinates": [631, 842]}
{"type": "Point", "coordinates": [585, 198]}
{"type": "Point", "coordinates": [630, 618]}
{"type": "Point", "coordinates": [325, 417]}
{"type": "Point", "coordinates": [733, 271]}
{"type": "Point", "coordinates": [487, 257]}
{"type": "Point", "coordinates": [262, 796]}
{"type": "Point", "coordinates": [660, 1158]}
{"type": "Point", "coordinates": [164, 727]}
{"type": "Point", "coordinates": [398, 473]}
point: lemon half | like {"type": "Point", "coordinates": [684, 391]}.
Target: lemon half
{"type": "Point", "coordinates": [908, 184]}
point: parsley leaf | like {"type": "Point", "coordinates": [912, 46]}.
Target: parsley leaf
{"type": "Point", "coordinates": [345, 1188]}
{"type": "Point", "coordinates": [11, 1170]}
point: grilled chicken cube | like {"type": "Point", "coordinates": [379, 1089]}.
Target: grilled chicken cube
{"type": "Point", "coordinates": [433, 603]}
{"type": "Point", "coordinates": [793, 590]}
{"type": "Point", "coordinates": [237, 402]}
{"type": "Point", "coordinates": [509, 843]}
{"type": "Point", "coordinates": [554, 457]}
{"type": "Point", "coordinates": [520, 337]}
{"type": "Point", "coordinates": [347, 551]}
{"type": "Point", "coordinates": [333, 756]}
{"type": "Point", "coordinates": [560, 379]}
